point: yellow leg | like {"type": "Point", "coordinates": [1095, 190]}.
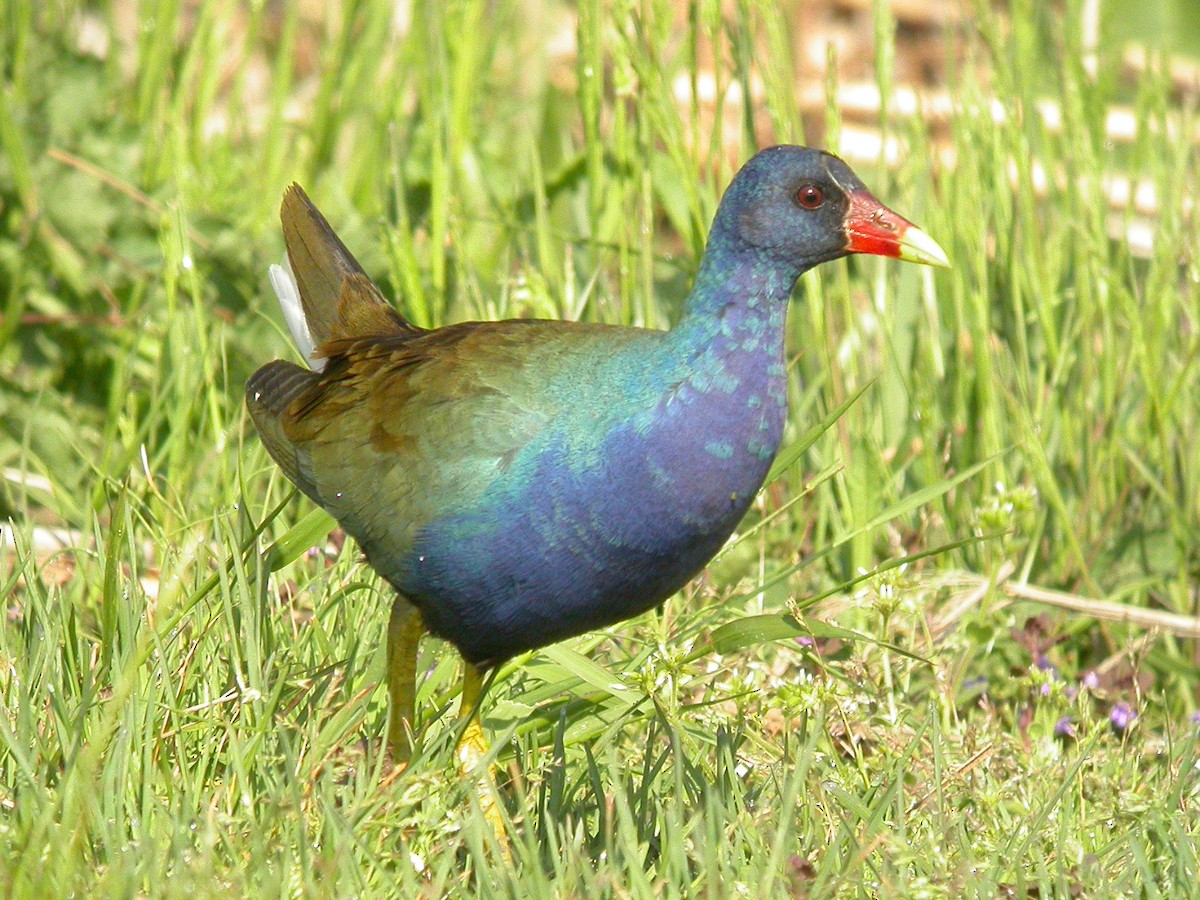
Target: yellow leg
{"type": "Point", "coordinates": [404, 636]}
{"type": "Point", "coordinates": [472, 746]}
{"type": "Point", "coordinates": [472, 750]}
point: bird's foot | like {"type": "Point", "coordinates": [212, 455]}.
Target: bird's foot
{"type": "Point", "coordinates": [471, 754]}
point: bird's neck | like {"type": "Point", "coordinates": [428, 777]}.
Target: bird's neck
{"type": "Point", "coordinates": [725, 399]}
{"type": "Point", "coordinates": [739, 301]}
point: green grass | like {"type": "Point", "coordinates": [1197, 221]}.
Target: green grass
{"type": "Point", "coordinates": [190, 701]}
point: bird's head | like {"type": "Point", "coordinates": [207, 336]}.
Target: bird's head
{"type": "Point", "coordinates": [799, 207]}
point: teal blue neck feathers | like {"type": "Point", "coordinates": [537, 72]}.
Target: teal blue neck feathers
{"type": "Point", "coordinates": [733, 323]}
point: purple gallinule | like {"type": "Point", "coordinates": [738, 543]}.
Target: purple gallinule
{"type": "Point", "coordinates": [520, 482]}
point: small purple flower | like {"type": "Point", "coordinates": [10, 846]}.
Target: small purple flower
{"type": "Point", "coordinates": [1122, 716]}
{"type": "Point", "coordinates": [804, 641]}
{"type": "Point", "coordinates": [1091, 681]}
{"type": "Point", "coordinates": [1064, 727]}
{"type": "Point", "coordinates": [1043, 664]}
{"type": "Point", "coordinates": [1045, 689]}
{"type": "Point", "coordinates": [1195, 717]}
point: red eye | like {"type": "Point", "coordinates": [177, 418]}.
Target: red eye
{"type": "Point", "coordinates": [810, 196]}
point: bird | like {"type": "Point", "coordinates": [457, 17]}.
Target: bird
{"type": "Point", "coordinates": [520, 482]}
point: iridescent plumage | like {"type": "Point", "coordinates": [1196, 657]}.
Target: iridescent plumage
{"type": "Point", "coordinates": [520, 482]}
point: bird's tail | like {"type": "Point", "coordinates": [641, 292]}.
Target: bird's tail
{"type": "Point", "coordinates": [269, 392]}
{"type": "Point", "coordinates": [325, 294]}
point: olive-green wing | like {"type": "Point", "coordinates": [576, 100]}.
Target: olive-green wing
{"type": "Point", "coordinates": [398, 431]}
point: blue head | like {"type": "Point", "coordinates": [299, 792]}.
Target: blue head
{"type": "Point", "coordinates": [794, 207]}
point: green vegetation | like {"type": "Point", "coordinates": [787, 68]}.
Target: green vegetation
{"type": "Point", "coordinates": [190, 701]}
